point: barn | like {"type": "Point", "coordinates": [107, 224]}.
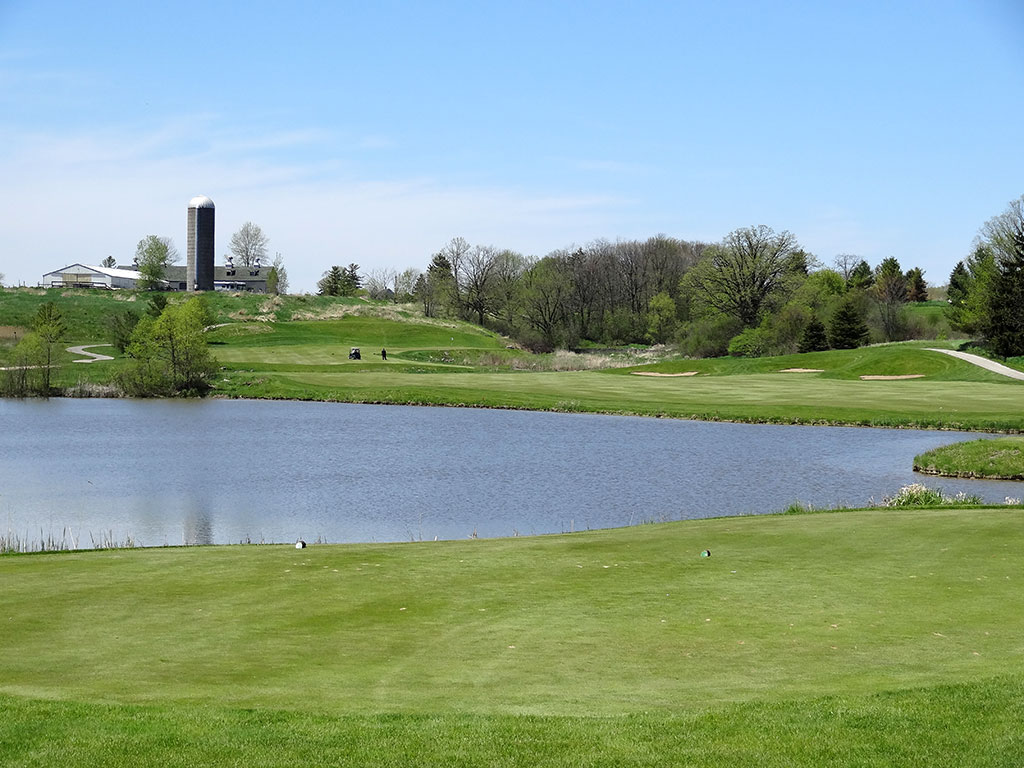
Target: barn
{"type": "Point", "coordinates": [88, 276]}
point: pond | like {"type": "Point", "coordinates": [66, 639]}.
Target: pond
{"type": "Point", "coordinates": [227, 471]}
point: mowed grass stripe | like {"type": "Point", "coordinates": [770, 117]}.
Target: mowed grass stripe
{"type": "Point", "coordinates": [954, 726]}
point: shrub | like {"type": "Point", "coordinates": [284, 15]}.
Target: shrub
{"type": "Point", "coordinates": [751, 342]}
{"type": "Point", "coordinates": [918, 495]}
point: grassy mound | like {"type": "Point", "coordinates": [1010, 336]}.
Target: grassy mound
{"type": "Point", "coordinates": [874, 638]}
{"type": "Point", "coordinates": [1000, 458]}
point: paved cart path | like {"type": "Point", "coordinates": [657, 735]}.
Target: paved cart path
{"type": "Point", "coordinates": [90, 357]}
{"type": "Point", "coordinates": [983, 362]}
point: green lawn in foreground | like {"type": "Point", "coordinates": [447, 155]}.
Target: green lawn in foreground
{"type": "Point", "coordinates": [996, 458]}
{"type": "Point", "coordinates": [856, 638]}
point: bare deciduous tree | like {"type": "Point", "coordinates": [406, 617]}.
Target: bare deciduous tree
{"type": "Point", "coordinates": [249, 245]}
{"type": "Point", "coordinates": [845, 264]}
{"type": "Point", "coordinates": [476, 280]}
{"type": "Point", "coordinates": [405, 284]}
{"type": "Point", "coordinates": [378, 282]}
{"type": "Point", "coordinates": [277, 278]}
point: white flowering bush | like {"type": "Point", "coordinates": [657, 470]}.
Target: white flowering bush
{"type": "Point", "coordinates": [919, 495]}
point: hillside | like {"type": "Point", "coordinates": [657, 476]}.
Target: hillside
{"type": "Point", "coordinates": [297, 347]}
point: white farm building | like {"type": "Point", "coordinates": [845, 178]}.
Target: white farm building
{"type": "Point", "coordinates": [86, 276]}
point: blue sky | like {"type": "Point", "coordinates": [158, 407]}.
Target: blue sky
{"type": "Point", "coordinates": [375, 132]}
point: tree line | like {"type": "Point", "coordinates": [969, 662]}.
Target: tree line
{"type": "Point", "coordinates": [756, 292]}
{"type": "Point", "coordinates": [986, 290]}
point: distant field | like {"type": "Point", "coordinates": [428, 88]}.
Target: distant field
{"type": "Point", "coordinates": [853, 638]}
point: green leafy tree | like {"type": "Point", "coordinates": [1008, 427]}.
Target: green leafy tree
{"type": "Point", "coordinates": [661, 318]}
{"type": "Point", "coordinates": [546, 300]}
{"type": "Point", "coordinates": [847, 329]}
{"type": "Point", "coordinates": [170, 353]}
{"type": "Point", "coordinates": [23, 375]}
{"type": "Point", "coordinates": [153, 255]}
{"type": "Point", "coordinates": [120, 326]}
{"type": "Point", "coordinates": [749, 269]}
{"type": "Point", "coordinates": [156, 305]}
{"type": "Point", "coordinates": [50, 328]}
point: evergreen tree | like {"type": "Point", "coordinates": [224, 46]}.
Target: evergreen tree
{"type": "Point", "coordinates": [332, 283]}
{"type": "Point", "coordinates": [814, 338]}
{"type": "Point", "coordinates": [917, 288]}
{"type": "Point", "coordinates": [861, 276]}
{"type": "Point", "coordinates": [970, 285]}
{"type": "Point", "coordinates": [441, 284]}
{"type": "Point", "coordinates": [1005, 327]}
{"type": "Point", "coordinates": [351, 282]}
{"type": "Point", "coordinates": [890, 294]}
{"type": "Point", "coordinates": [959, 285]}
{"type": "Point", "coordinates": [847, 329]}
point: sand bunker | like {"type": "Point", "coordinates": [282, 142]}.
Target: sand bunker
{"type": "Point", "coordinates": [802, 370]}
{"type": "Point", "coordinates": [893, 378]}
{"type": "Point", "coordinates": [655, 373]}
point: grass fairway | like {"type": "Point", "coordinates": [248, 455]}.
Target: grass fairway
{"type": "Point", "coordinates": [430, 363]}
{"type": "Point", "coordinates": [855, 638]}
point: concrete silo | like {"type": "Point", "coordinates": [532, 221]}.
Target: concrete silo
{"type": "Point", "coordinates": [199, 249]}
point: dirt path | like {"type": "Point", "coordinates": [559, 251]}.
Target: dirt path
{"type": "Point", "coordinates": [982, 362]}
{"type": "Point", "coordinates": [90, 357]}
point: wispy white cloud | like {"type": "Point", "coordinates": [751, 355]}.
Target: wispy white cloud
{"type": "Point", "coordinates": [83, 196]}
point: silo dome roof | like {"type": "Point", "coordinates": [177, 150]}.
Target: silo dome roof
{"type": "Point", "coordinates": [202, 201]}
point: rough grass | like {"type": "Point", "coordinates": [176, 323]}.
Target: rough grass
{"type": "Point", "coordinates": [883, 637]}
{"type": "Point", "coordinates": [1000, 458]}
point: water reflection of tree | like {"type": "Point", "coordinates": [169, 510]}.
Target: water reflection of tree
{"type": "Point", "coordinates": [198, 524]}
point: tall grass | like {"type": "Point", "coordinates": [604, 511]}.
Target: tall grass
{"type": "Point", "coordinates": [67, 541]}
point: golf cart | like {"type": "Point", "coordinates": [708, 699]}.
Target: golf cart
{"type": "Point", "coordinates": [354, 354]}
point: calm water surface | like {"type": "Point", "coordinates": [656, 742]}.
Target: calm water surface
{"type": "Point", "coordinates": [168, 472]}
